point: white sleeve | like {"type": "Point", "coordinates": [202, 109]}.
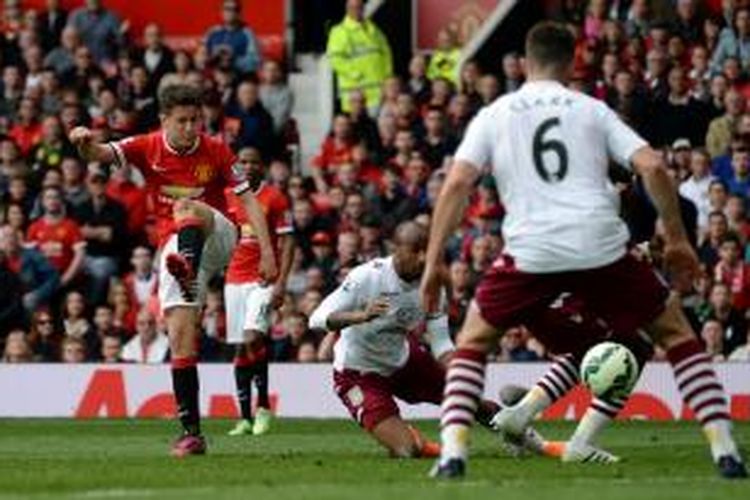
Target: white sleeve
{"type": "Point", "coordinates": [347, 297]}
{"type": "Point", "coordinates": [622, 141]}
{"type": "Point", "coordinates": [476, 146]}
{"type": "Point", "coordinates": [439, 335]}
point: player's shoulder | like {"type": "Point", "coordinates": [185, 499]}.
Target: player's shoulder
{"type": "Point", "coordinates": [214, 143]}
{"type": "Point", "coordinates": [369, 270]}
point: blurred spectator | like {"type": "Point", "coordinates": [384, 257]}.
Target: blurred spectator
{"type": "Point", "coordinates": [742, 353]}
{"type": "Point", "coordinates": [335, 150]}
{"type": "Point", "coordinates": [734, 41]}
{"type": "Point", "coordinates": [638, 21]}
{"type": "Point", "coordinates": [733, 272]}
{"type": "Point", "coordinates": [460, 294]}
{"type": "Point", "coordinates": [679, 114]}
{"type": "Point", "coordinates": [214, 320]}
{"type": "Point", "coordinates": [444, 59]}
{"type": "Point", "coordinates": [141, 281]}
{"type": "Point", "coordinates": [733, 322]}
{"type": "Point", "coordinates": [100, 30]}
{"type": "Point", "coordinates": [360, 56]}
{"type": "Point", "coordinates": [712, 336]}
{"type": "Point", "coordinates": [62, 58]}
{"type": "Point", "coordinates": [27, 132]}
{"type": "Point", "coordinates": [58, 237]}
{"type": "Point", "coordinates": [720, 129]}
{"type": "Point", "coordinates": [156, 57]}
{"type": "Point", "coordinates": [437, 144]}
{"type": "Point", "coordinates": [234, 39]}
{"type": "Point", "coordinates": [45, 337]}
{"type": "Point", "coordinates": [513, 346]}
{"type": "Point", "coordinates": [718, 228]}
{"type": "Point", "coordinates": [418, 84]}
{"type": "Point", "coordinates": [17, 348]}
{"type": "Point", "coordinates": [123, 307]}
{"type": "Point", "coordinates": [695, 188]}
{"type": "Point", "coordinates": [52, 148]}
{"type": "Point", "coordinates": [132, 198]}
{"type": "Point", "coordinates": [512, 73]}
{"type": "Point", "coordinates": [74, 185]}
{"type": "Point", "coordinates": [39, 280]}
{"type": "Point", "coordinates": [51, 24]}
{"type": "Point", "coordinates": [148, 345]}
{"type": "Point", "coordinates": [256, 125]}
{"type": "Point", "coordinates": [688, 24]}
{"type": "Point", "coordinates": [12, 314]}
{"type": "Point", "coordinates": [276, 96]}
{"type": "Point", "coordinates": [111, 351]}
{"type": "Point", "coordinates": [103, 223]}
{"type": "Point", "coordinates": [73, 351]}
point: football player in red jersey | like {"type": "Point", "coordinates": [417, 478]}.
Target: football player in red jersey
{"type": "Point", "coordinates": [186, 173]}
{"type": "Point", "coordinates": [249, 298]}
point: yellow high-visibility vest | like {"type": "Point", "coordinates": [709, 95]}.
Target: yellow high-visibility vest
{"type": "Point", "coordinates": [444, 64]}
{"type": "Point", "coordinates": [361, 59]}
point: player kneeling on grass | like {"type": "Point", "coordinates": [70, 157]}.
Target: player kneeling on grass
{"type": "Point", "coordinates": [375, 359]}
{"type": "Point", "coordinates": [249, 298]}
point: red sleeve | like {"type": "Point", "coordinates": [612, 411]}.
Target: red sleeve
{"type": "Point", "coordinates": [133, 150]}
{"type": "Point", "coordinates": [74, 234]}
{"type": "Point", "coordinates": [32, 235]}
{"type": "Point", "coordinates": [227, 160]}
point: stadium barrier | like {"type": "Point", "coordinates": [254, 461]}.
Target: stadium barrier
{"type": "Point", "coordinates": [297, 390]}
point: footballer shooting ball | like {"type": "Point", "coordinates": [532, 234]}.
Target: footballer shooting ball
{"type": "Point", "coordinates": [609, 370]}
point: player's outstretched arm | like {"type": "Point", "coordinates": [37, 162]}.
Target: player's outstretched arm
{"type": "Point", "coordinates": [449, 210]}
{"type": "Point", "coordinates": [83, 139]}
{"type": "Point", "coordinates": [679, 255]}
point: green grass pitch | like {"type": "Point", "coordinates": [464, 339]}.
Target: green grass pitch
{"type": "Point", "coordinates": [330, 459]}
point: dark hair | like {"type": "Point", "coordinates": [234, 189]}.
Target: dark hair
{"type": "Point", "coordinates": [550, 44]}
{"type": "Point", "coordinates": [172, 96]}
{"type": "Point", "coordinates": [731, 237]}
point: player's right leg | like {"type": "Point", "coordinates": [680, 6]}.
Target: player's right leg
{"type": "Point", "coordinates": [194, 222]}
{"type": "Point", "coordinates": [464, 384]}
{"type": "Point", "coordinates": [699, 386]}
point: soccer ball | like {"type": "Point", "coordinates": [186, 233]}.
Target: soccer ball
{"type": "Point", "coordinates": [609, 370]}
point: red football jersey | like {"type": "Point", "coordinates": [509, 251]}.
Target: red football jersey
{"type": "Point", "coordinates": [57, 241]}
{"type": "Point", "coordinates": [244, 266]}
{"type": "Point", "coordinates": [202, 173]}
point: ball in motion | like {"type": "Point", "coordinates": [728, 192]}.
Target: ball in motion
{"type": "Point", "coordinates": [609, 370]}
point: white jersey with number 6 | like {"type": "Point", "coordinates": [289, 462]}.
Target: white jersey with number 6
{"type": "Point", "coordinates": [549, 148]}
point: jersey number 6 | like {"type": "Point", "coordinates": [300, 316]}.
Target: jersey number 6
{"type": "Point", "coordinates": [542, 146]}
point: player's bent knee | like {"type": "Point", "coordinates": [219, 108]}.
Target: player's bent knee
{"type": "Point", "coordinates": [476, 333]}
{"type": "Point", "coordinates": [671, 327]}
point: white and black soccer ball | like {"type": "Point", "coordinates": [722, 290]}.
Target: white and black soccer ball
{"type": "Point", "coordinates": [609, 370]}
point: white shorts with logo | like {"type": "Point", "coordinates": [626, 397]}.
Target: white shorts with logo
{"type": "Point", "coordinates": [248, 307]}
{"type": "Point", "coordinates": [217, 250]}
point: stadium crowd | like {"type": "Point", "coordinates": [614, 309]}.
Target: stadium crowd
{"type": "Point", "coordinates": [77, 241]}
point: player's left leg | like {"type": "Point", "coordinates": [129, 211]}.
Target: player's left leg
{"type": "Point", "coordinates": [403, 440]}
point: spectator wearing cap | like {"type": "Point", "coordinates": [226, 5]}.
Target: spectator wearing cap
{"type": "Point", "coordinates": [235, 39]}
{"type": "Point", "coordinates": [720, 129]}
{"type": "Point", "coordinates": [734, 41]}
{"type": "Point", "coordinates": [148, 345]}
{"type": "Point", "coordinates": [679, 115]}
{"type": "Point", "coordinates": [695, 188]}
{"type": "Point", "coordinates": [100, 29]}
{"type": "Point", "coordinates": [39, 280]}
{"type": "Point", "coordinates": [322, 252]}
{"type": "Point", "coordinates": [103, 224]}
{"type": "Point", "coordinates": [679, 159]}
